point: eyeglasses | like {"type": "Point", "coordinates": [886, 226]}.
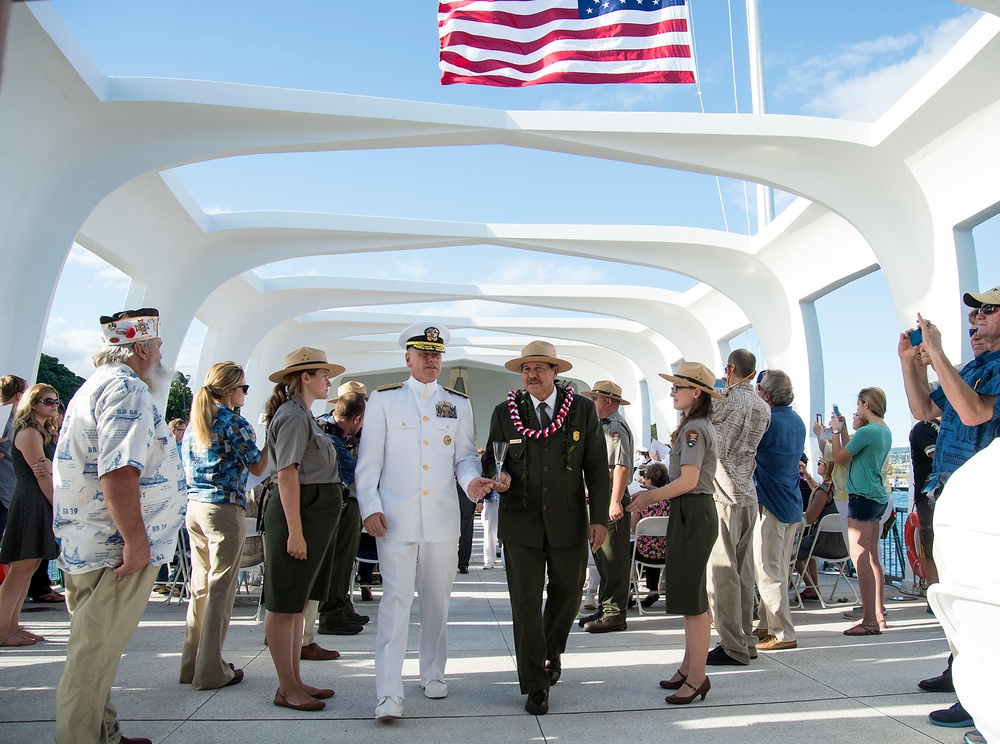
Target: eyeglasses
{"type": "Point", "coordinates": [973, 332]}
{"type": "Point", "coordinates": [988, 309]}
{"type": "Point", "coordinates": [244, 388]}
{"type": "Point", "coordinates": [50, 401]}
{"type": "Point", "coordinates": [675, 388]}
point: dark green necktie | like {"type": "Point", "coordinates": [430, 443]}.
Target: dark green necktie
{"type": "Point", "coordinates": [543, 415]}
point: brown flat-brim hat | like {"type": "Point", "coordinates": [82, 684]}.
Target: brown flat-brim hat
{"type": "Point", "coordinates": [696, 375]}
{"type": "Point", "coordinates": [350, 387]}
{"type": "Point", "coordinates": [538, 351]}
{"type": "Point", "coordinates": [978, 299]}
{"type": "Point", "coordinates": [607, 389]}
{"type": "Point", "coordinates": [304, 360]}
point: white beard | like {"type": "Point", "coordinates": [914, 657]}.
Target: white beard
{"type": "Point", "coordinates": [158, 379]}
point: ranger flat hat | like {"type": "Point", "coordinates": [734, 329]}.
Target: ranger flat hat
{"type": "Point", "coordinates": [426, 336]}
{"type": "Point", "coordinates": [695, 374]}
{"type": "Point", "coordinates": [303, 360]}
{"type": "Point", "coordinates": [607, 389]}
{"type": "Point", "coordinates": [350, 387]}
{"type": "Point", "coordinates": [978, 299]}
{"type": "Point", "coordinates": [538, 351]}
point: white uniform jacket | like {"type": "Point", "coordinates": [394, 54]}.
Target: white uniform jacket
{"type": "Point", "coordinates": [416, 438]}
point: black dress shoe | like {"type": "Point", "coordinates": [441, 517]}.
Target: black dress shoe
{"type": "Point", "coordinates": [359, 619]}
{"type": "Point", "coordinates": [650, 599]}
{"type": "Point", "coordinates": [463, 569]}
{"type": "Point", "coordinates": [606, 624]}
{"type": "Point", "coordinates": [590, 618]}
{"type": "Point", "coordinates": [718, 657]}
{"type": "Point", "coordinates": [941, 683]}
{"type": "Point", "coordinates": [538, 703]}
{"type": "Point", "coordinates": [345, 629]}
{"type": "Point", "coordinates": [554, 668]}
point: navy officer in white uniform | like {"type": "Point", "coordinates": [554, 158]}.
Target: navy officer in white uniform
{"type": "Point", "coordinates": [418, 438]}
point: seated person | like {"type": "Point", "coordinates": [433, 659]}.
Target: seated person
{"type": "Point", "coordinates": [650, 548]}
{"type": "Point", "coordinates": [830, 545]}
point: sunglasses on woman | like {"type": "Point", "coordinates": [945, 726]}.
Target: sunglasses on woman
{"type": "Point", "coordinates": [244, 388]}
{"type": "Point", "coordinates": [50, 401]}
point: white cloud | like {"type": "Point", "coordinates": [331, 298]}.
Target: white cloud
{"type": "Point", "coordinates": [74, 347]}
{"type": "Point", "coordinates": [543, 271]}
{"type": "Point", "coordinates": [98, 272]}
{"type": "Point", "coordinates": [863, 80]}
{"type": "Point", "coordinates": [413, 268]}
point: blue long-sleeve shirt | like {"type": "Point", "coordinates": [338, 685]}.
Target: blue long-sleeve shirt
{"type": "Point", "coordinates": [346, 458]}
{"type": "Point", "coordinates": [777, 475]}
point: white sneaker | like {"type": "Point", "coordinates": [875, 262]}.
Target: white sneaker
{"type": "Point", "coordinates": [590, 602]}
{"type": "Point", "coordinates": [389, 708]}
{"type": "Point", "coordinates": [488, 567]}
{"type": "Point", "coordinates": [435, 689]}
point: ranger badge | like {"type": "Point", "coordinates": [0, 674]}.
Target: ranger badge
{"type": "Point", "coordinates": [691, 437]}
{"type": "Point", "coordinates": [576, 436]}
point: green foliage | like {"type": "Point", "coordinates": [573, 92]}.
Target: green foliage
{"type": "Point", "coordinates": [53, 372]}
{"type": "Point", "coordinates": [180, 398]}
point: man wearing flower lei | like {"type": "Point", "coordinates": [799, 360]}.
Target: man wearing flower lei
{"type": "Point", "coordinates": [556, 455]}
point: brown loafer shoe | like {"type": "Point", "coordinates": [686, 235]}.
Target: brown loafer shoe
{"type": "Point", "coordinates": [771, 643]}
{"type": "Point", "coordinates": [606, 625]}
{"type": "Point", "coordinates": [315, 652]}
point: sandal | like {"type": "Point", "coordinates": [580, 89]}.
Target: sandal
{"type": "Point", "coordinates": [861, 629]}
{"type": "Point", "coordinates": [50, 598]}
{"type": "Point", "coordinates": [29, 635]}
{"type": "Point", "coordinates": [19, 640]}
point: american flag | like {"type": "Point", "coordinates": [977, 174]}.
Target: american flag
{"type": "Point", "coordinates": [513, 43]}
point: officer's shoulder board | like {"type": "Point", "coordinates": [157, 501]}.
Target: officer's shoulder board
{"type": "Point", "coordinates": [456, 392]}
{"type": "Point", "coordinates": [393, 386]}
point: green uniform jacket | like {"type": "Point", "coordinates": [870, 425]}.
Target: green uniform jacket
{"type": "Point", "coordinates": [547, 497]}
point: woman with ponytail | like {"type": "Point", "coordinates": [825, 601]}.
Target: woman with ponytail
{"type": "Point", "coordinates": [300, 523]}
{"type": "Point", "coordinates": [218, 451]}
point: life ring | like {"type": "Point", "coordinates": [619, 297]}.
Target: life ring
{"type": "Point", "coordinates": [914, 549]}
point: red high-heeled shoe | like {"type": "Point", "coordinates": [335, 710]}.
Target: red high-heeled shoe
{"type": "Point", "coordinates": [677, 699]}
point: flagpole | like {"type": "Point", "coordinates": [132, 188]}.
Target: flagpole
{"type": "Point", "coordinates": [758, 97]}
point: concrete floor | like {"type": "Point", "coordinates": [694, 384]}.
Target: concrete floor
{"type": "Point", "coordinates": [832, 688]}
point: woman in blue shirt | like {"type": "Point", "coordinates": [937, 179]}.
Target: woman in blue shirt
{"type": "Point", "coordinates": [218, 450]}
{"type": "Point", "coordinates": [868, 499]}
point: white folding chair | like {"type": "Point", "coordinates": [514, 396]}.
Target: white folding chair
{"type": "Point", "coordinates": [830, 524]}
{"type": "Point", "coordinates": [180, 578]}
{"type": "Point", "coordinates": [252, 562]}
{"type": "Point", "coordinates": [650, 527]}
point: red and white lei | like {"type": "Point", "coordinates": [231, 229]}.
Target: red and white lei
{"type": "Point", "coordinates": [557, 422]}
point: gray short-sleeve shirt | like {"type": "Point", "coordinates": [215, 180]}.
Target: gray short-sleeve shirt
{"type": "Point", "coordinates": [294, 438]}
{"type": "Point", "coordinates": [695, 445]}
{"type": "Point", "coordinates": [619, 440]}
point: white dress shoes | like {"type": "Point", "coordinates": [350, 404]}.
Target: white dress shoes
{"type": "Point", "coordinates": [435, 689]}
{"type": "Point", "coordinates": [389, 708]}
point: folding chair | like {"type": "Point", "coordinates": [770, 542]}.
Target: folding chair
{"type": "Point", "coordinates": [181, 576]}
{"type": "Point", "coordinates": [650, 527]}
{"type": "Point", "coordinates": [830, 524]}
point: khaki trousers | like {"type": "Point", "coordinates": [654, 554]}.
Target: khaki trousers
{"type": "Point", "coordinates": [731, 578]}
{"type": "Point", "coordinates": [217, 533]}
{"type": "Point", "coordinates": [105, 611]}
{"type": "Point", "coordinates": [772, 551]}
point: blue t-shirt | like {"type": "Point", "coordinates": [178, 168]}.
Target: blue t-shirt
{"type": "Point", "coordinates": [957, 442]}
{"type": "Point", "coordinates": [869, 447]}
{"type": "Point", "coordinates": [776, 476]}
{"type": "Point", "coordinates": [218, 475]}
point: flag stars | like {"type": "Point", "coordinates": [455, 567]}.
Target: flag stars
{"type": "Point", "coordinates": [591, 10]}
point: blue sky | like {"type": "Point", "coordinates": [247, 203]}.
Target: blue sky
{"type": "Point", "coordinates": [846, 60]}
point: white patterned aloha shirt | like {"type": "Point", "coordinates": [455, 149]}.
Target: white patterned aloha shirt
{"type": "Point", "coordinates": [111, 423]}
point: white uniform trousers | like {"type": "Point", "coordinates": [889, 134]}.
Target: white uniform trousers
{"type": "Point", "coordinates": [429, 568]}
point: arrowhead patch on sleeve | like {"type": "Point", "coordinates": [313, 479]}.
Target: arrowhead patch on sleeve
{"type": "Point", "coordinates": [691, 437]}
